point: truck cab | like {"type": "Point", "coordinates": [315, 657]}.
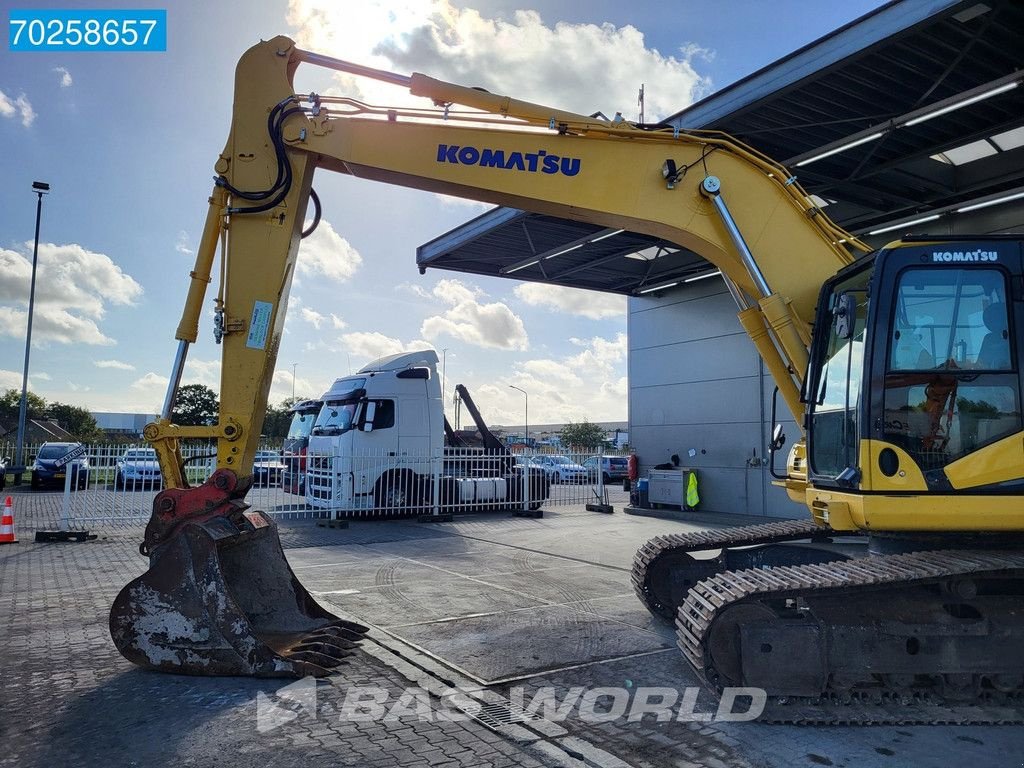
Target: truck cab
{"type": "Point", "coordinates": [375, 435]}
{"type": "Point", "coordinates": [296, 443]}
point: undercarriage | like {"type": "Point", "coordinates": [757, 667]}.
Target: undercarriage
{"type": "Point", "coordinates": [916, 637]}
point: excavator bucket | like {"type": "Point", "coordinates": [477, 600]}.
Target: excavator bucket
{"type": "Point", "coordinates": [219, 598]}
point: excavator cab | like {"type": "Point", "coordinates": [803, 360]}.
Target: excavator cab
{"type": "Point", "coordinates": [916, 369]}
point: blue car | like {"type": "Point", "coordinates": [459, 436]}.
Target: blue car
{"type": "Point", "coordinates": [45, 469]}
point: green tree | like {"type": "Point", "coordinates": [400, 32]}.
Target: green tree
{"type": "Point", "coordinates": [195, 406]}
{"type": "Point", "coordinates": [78, 421]}
{"type": "Point", "coordinates": [582, 435]}
{"type": "Point", "coordinates": [10, 401]}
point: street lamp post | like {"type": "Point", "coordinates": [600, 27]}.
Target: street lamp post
{"type": "Point", "coordinates": [526, 415]}
{"type": "Point", "coordinates": [40, 188]}
{"type": "Point", "coordinates": [444, 380]}
{"type": "Point", "coordinates": [294, 365]}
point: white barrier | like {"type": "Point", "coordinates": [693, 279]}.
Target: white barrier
{"type": "Point", "coordinates": [99, 490]}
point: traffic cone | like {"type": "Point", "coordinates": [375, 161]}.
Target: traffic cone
{"type": "Point", "coordinates": [7, 523]}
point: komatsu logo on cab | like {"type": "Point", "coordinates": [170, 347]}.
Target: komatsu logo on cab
{"type": "Point", "coordinates": [961, 256]}
{"type": "Point", "coordinates": [531, 162]}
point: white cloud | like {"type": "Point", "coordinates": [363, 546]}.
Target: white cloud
{"type": "Point", "coordinates": [206, 372]}
{"type": "Point", "coordinates": [281, 386]}
{"type": "Point", "coordinates": [73, 288]}
{"type": "Point", "coordinates": [113, 364]}
{"type": "Point", "coordinates": [181, 245]}
{"type": "Point", "coordinates": [414, 289]}
{"type": "Point", "coordinates": [599, 354]}
{"type": "Point", "coordinates": [319, 320]}
{"type": "Point", "coordinates": [151, 382]}
{"type": "Point", "coordinates": [17, 107]}
{"type": "Point", "coordinates": [590, 384]}
{"type": "Point", "coordinates": [12, 380]}
{"type": "Point", "coordinates": [491, 325]}
{"type": "Point", "coordinates": [65, 77]}
{"type": "Point", "coordinates": [202, 372]}
{"type": "Point", "coordinates": [578, 67]}
{"type": "Point", "coordinates": [369, 345]}
{"type": "Point", "coordinates": [326, 253]}
{"type": "Point", "coordinates": [312, 317]}
{"type": "Point", "coordinates": [573, 301]}
{"type": "Point", "coordinates": [52, 324]}
{"type": "Point", "coordinates": [472, 207]}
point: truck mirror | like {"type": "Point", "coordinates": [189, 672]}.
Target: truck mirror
{"type": "Point", "coordinates": [845, 314]}
{"type": "Point", "coordinates": [368, 414]}
{"type": "Point", "coordinates": [778, 438]}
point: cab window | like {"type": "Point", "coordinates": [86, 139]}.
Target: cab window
{"type": "Point", "coordinates": [950, 384]}
{"type": "Point", "coordinates": [836, 405]}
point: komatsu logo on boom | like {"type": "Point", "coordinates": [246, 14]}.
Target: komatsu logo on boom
{"type": "Point", "coordinates": [531, 162]}
{"type": "Point", "coordinates": [972, 256]}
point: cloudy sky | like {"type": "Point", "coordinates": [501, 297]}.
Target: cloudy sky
{"type": "Point", "coordinates": [128, 142]}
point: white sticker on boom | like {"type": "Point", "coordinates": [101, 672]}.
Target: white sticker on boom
{"type": "Point", "coordinates": [260, 324]}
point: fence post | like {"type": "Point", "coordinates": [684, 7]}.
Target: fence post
{"type": "Point", "coordinates": [65, 511]}
{"type": "Point", "coordinates": [602, 504]}
{"type": "Point", "coordinates": [526, 482]}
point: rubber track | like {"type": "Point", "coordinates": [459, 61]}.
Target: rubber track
{"type": "Point", "coordinates": [706, 601]}
{"type": "Point", "coordinates": [744, 536]}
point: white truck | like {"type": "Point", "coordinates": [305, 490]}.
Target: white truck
{"type": "Point", "coordinates": [382, 445]}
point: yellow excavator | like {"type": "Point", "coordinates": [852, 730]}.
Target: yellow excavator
{"type": "Point", "coordinates": [902, 368]}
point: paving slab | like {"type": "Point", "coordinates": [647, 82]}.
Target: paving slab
{"type": "Point", "coordinates": [445, 596]}
{"type": "Point", "coordinates": [568, 584]}
{"type": "Point", "coordinates": [518, 644]}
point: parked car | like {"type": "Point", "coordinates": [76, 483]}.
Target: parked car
{"type": "Point", "coordinates": [137, 469]}
{"type": "Point", "coordinates": [45, 469]}
{"type": "Point", "coordinates": [267, 468]}
{"type": "Point", "coordinates": [611, 467]}
{"type": "Point", "coordinates": [561, 469]}
{"type": "Point", "coordinates": [4, 461]}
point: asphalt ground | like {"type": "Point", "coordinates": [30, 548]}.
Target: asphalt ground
{"type": "Point", "coordinates": [502, 607]}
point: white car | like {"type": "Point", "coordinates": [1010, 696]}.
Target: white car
{"type": "Point", "coordinates": [138, 468]}
{"type": "Point", "coordinates": [561, 469]}
{"type": "Point", "coordinates": [267, 468]}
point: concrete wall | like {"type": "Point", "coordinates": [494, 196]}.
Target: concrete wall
{"type": "Point", "coordinates": [697, 386]}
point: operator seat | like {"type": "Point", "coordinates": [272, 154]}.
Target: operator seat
{"type": "Point", "coordinates": [994, 353]}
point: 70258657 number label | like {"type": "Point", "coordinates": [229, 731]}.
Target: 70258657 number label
{"type": "Point", "coordinates": [87, 30]}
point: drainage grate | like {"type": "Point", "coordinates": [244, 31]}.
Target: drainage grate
{"type": "Point", "coordinates": [496, 715]}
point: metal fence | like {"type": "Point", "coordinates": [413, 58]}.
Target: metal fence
{"type": "Point", "coordinates": [455, 480]}
{"type": "Point", "coordinates": [116, 484]}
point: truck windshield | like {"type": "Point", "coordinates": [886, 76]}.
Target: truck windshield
{"type": "Point", "coordinates": [335, 418]}
{"type": "Point", "coordinates": [302, 425]}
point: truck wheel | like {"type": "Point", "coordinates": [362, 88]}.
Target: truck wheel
{"type": "Point", "coordinates": [397, 490]}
